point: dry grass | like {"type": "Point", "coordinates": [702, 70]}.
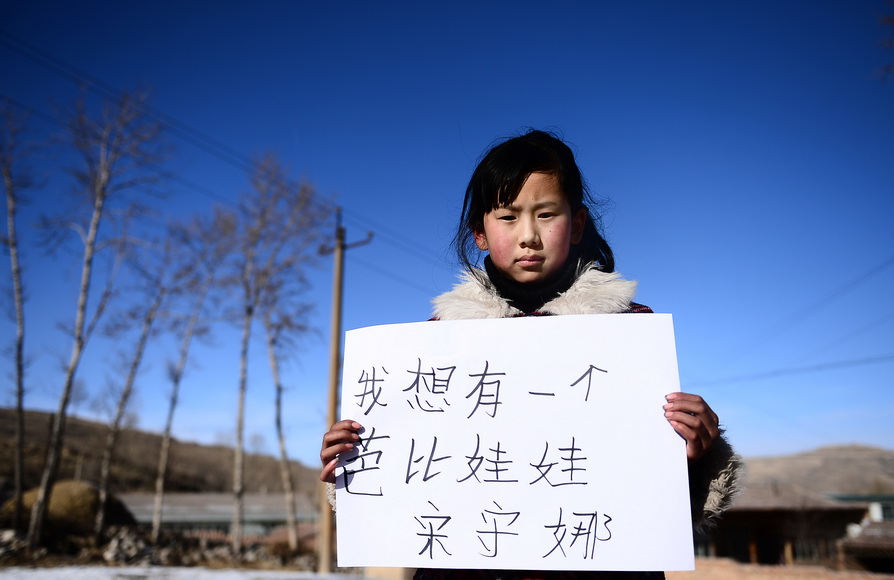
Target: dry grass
{"type": "Point", "coordinates": [723, 569]}
{"type": "Point", "coordinates": [192, 468]}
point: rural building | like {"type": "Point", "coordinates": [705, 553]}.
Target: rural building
{"type": "Point", "coordinates": [781, 523]}
{"type": "Point", "coordinates": [214, 511]}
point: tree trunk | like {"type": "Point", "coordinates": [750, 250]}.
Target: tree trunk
{"type": "Point", "coordinates": [54, 447]}
{"type": "Point", "coordinates": [176, 376]}
{"type": "Point", "coordinates": [162, 468]}
{"type": "Point", "coordinates": [115, 427]}
{"type": "Point", "coordinates": [285, 473]}
{"type": "Point", "coordinates": [238, 469]}
{"type": "Point", "coordinates": [18, 300]}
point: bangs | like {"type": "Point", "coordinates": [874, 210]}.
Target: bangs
{"type": "Point", "coordinates": [508, 191]}
{"type": "Point", "coordinates": [510, 168]}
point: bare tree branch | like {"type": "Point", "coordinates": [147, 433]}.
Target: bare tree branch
{"type": "Point", "coordinates": [279, 225]}
{"type": "Point", "coordinates": [115, 147]}
{"type": "Point", "coordinates": [204, 247]}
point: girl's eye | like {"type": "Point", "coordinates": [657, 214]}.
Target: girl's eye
{"type": "Point", "coordinates": [506, 218]}
{"type": "Point", "coordinates": [546, 215]}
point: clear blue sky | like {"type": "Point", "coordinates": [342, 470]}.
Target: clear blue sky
{"type": "Point", "coordinates": [747, 150]}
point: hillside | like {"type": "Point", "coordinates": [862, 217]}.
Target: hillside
{"type": "Point", "coordinates": [192, 467]}
{"type": "Point", "coordinates": [836, 469]}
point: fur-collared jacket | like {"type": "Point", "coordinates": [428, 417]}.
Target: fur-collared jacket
{"type": "Point", "coordinates": [715, 478]}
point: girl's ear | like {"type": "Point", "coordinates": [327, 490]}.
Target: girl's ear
{"type": "Point", "coordinates": [481, 240]}
{"type": "Point", "coordinates": [578, 221]}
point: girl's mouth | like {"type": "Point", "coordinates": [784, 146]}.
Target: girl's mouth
{"type": "Point", "coordinates": [530, 261]}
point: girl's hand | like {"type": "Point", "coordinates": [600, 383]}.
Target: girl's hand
{"type": "Point", "coordinates": [341, 437]}
{"type": "Point", "coordinates": [693, 419]}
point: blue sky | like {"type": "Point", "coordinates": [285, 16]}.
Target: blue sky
{"type": "Point", "coordinates": [745, 152]}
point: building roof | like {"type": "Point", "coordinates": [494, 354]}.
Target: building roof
{"type": "Point", "coordinates": [874, 539]}
{"type": "Point", "coordinates": [767, 496]}
{"type": "Point", "coordinates": [217, 507]}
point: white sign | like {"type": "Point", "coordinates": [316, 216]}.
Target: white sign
{"type": "Point", "coordinates": [534, 443]}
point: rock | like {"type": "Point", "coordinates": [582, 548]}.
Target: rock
{"type": "Point", "coordinates": [72, 508]}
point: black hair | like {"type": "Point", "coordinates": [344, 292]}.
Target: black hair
{"type": "Point", "coordinates": [499, 177]}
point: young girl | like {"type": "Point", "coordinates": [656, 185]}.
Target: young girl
{"type": "Point", "coordinates": [527, 207]}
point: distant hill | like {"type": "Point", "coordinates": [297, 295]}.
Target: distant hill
{"type": "Point", "coordinates": [192, 467]}
{"type": "Point", "coordinates": [835, 469]}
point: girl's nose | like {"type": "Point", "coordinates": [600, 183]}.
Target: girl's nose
{"type": "Point", "coordinates": [530, 235]}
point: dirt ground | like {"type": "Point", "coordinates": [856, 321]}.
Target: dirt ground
{"type": "Point", "coordinates": [722, 569]}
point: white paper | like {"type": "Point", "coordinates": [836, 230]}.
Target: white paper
{"type": "Point", "coordinates": [534, 443]}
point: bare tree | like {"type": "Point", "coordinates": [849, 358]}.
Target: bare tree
{"type": "Point", "coordinates": [117, 148]}
{"type": "Point", "coordinates": [280, 224]}
{"type": "Point", "coordinates": [284, 317]}
{"type": "Point", "coordinates": [80, 394]}
{"type": "Point", "coordinates": [205, 247]}
{"type": "Point", "coordinates": [256, 443]}
{"type": "Point", "coordinates": [14, 181]}
{"type": "Point", "coordinates": [278, 327]}
{"type": "Point", "coordinates": [160, 283]}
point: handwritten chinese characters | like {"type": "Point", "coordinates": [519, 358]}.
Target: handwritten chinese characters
{"type": "Point", "coordinates": [514, 443]}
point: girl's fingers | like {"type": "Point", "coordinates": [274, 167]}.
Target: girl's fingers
{"type": "Point", "coordinates": [341, 430]}
{"type": "Point", "coordinates": [696, 444]}
{"type": "Point", "coordinates": [347, 424]}
{"type": "Point", "coordinates": [346, 431]}
{"type": "Point", "coordinates": [332, 452]}
{"type": "Point", "coordinates": [694, 420]}
{"type": "Point", "coordinates": [693, 405]}
{"type": "Point", "coordinates": [327, 474]}
{"type": "Point", "coordinates": [341, 437]}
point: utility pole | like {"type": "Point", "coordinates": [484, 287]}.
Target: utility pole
{"type": "Point", "coordinates": [325, 537]}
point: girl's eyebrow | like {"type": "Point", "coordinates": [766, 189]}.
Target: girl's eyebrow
{"type": "Point", "coordinates": [548, 204]}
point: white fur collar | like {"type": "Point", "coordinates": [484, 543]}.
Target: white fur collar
{"type": "Point", "coordinates": [594, 292]}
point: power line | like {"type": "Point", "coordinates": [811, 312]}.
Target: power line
{"type": "Point", "coordinates": [400, 242]}
{"type": "Point", "coordinates": [405, 281]}
{"type": "Point", "coordinates": [161, 173]}
{"type": "Point", "coordinates": [785, 324]}
{"type": "Point", "coordinates": [178, 128]}
{"type": "Point", "coordinates": [849, 335]}
{"type": "Point", "coordinates": [78, 76]}
{"type": "Point", "coordinates": [796, 370]}
{"type": "Point", "coordinates": [185, 132]}
{"type": "Point", "coordinates": [789, 322]}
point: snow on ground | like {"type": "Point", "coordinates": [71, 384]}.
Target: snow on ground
{"type": "Point", "coordinates": [157, 573]}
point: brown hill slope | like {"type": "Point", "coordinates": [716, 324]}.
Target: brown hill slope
{"type": "Point", "coordinates": [193, 467]}
{"type": "Point", "coordinates": [835, 469]}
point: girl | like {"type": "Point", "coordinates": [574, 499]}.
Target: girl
{"type": "Point", "coordinates": [527, 207]}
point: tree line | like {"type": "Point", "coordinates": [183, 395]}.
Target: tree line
{"type": "Point", "coordinates": [244, 265]}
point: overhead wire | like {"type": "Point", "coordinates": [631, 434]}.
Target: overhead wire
{"type": "Point", "coordinates": [78, 76]}
{"type": "Point", "coordinates": [848, 336]}
{"type": "Point", "coordinates": [796, 370]}
{"type": "Point", "coordinates": [191, 135]}
{"type": "Point", "coordinates": [169, 175]}
{"type": "Point", "coordinates": [789, 322]}
{"type": "Point", "coordinates": [781, 326]}
{"type": "Point", "coordinates": [792, 420]}
{"type": "Point", "coordinates": [403, 280]}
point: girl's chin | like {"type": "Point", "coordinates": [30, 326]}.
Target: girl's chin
{"type": "Point", "coordinates": [529, 277]}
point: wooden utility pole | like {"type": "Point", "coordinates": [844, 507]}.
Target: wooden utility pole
{"type": "Point", "coordinates": [325, 537]}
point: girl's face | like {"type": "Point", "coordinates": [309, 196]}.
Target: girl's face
{"type": "Point", "coordinates": [530, 239]}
